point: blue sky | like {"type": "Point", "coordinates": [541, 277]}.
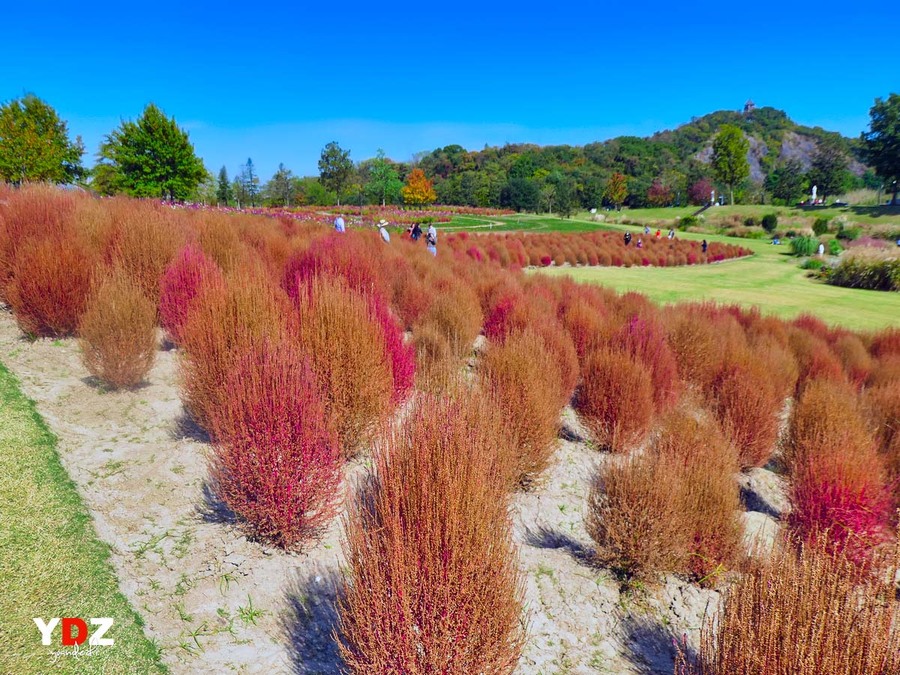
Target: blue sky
{"type": "Point", "coordinates": [276, 81]}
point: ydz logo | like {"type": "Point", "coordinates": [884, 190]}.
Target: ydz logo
{"type": "Point", "coordinates": [75, 631]}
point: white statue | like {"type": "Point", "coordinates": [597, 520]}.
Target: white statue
{"type": "Point", "coordinates": [712, 197]}
{"type": "Point", "coordinates": [815, 189]}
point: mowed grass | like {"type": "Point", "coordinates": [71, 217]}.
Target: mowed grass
{"type": "Point", "coordinates": [51, 562]}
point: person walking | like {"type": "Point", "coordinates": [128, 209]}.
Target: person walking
{"type": "Point", "coordinates": [416, 232]}
{"type": "Point", "coordinates": [627, 238]}
{"type": "Point", "coordinates": [704, 246]}
{"type": "Point", "coordinates": [382, 230]}
{"type": "Point", "coordinates": [431, 239]}
{"type": "Point", "coordinates": [339, 224]}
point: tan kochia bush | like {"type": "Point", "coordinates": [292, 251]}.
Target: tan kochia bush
{"type": "Point", "coordinates": [118, 332]}
{"type": "Point", "coordinates": [802, 614]}
{"type": "Point", "coordinates": [431, 584]}
{"type": "Point", "coordinates": [632, 515]}
{"type": "Point", "coordinates": [524, 380]}
{"type": "Point", "coordinates": [616, 399]}
{"type": "Point", "coordinates": [338, 330]}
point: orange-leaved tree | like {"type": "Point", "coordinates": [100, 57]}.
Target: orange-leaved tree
{"type": "Point", "coordinates": [418, 189]}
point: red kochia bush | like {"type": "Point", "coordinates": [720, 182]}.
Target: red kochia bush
{"type": "Point", "coordinates": [402, 356]}
{"type": "Point", "coordinates": [51, 283]}
{"type": "Point", "coordinates": [338, 255]}
{"type": "Point", "coordinates": [644, 338]}
{"type": "Point", "coordinates": [838, 486]}
{"type": "Point", "coordinates": [276, 459]}
{"type": "Point", "coordinates": [432, 584]}
{"type": "Point", "coordinates": [616, 399]}
{"type": "Point", "coordinates": [746, 402]}
{"type": "Point", "coordinates": [182, 281]}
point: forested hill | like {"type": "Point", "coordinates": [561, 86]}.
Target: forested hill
{"type": "Point", "coordinates": [668, 167]}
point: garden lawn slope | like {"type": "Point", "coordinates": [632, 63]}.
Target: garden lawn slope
{"type": "Point", "coordinates": [51, 562]}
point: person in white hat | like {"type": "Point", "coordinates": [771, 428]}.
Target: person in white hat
{"type": "Point", "coordinates": [382, 228]}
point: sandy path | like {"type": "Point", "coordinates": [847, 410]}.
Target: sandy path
{"type": "Point", "coordinates": [194, 578]}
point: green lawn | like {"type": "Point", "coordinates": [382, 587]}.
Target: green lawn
{"type": "Point", "coordinates": [51, 562]}
{"type": "Point", "coordinates": [771, 279]}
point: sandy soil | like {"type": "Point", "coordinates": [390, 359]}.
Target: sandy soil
{"type": "Point", "coordinates": [217, 602]}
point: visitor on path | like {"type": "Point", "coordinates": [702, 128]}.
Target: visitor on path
{"type": "Point", "coordinates": [416, 232]}
{"type": "Point", "coordinates": [646, 229]}
{"type": "Point", "coordinates": [704, 246]}
{"type": "Point", "coordinates": [431, 240]}
{"type": "Point", "coordinates": [382, 230]}
{"type": "Point", "coordinates": [640, 243]}
{"type": "Point", "coordinates": [821, 249]}
{"type": "Point", "coordinates": [658, 234]}
{"type": "Point", "coordinates": [671, 234]}
{"type": "Point", "coordinates": [627, 238]}
{"type": "Point", "coordinates": [339, 224]}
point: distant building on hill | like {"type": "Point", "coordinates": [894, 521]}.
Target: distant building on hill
{"type": "Point", "coordinates": [749, 106]}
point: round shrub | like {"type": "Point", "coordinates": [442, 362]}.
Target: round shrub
{"type": "Point", "coordinates": [820, 226]}
{"type": "Point", "coordinates": [616, 399]}
{"type": "Point", "coordinates": [276, 459]}
{"type": "Point", "coordinates": [770, 222]}
{"type": "Point", "coordinates": [182, 281]}
{"type": "Point", "coordinates": [118, 332]}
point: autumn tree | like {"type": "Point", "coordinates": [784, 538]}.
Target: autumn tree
{"type": "Point", "coordinates": [659, 194]}
{"type": "Point", "coordinates": [150, 157]}
{"type": "Point", "coordinates": [35, 145]}
{"type": "Point", "coordinates": [882, 141]}
{"type": "Point", "coordinates": [700, 192]}
{"type": "Point", "coordinates": [418, 190]}
{"type": "Point", "coordinates": [384, 182]}
{"type": "Point", "coordinates": [616, 190]}
{"type": "Point", "coordinates": [729, 158]}
{"type": "Point", "coordinates": [335, 168]}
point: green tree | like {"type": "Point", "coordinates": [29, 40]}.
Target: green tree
{"type": "Point", "coordinates": [882, 141]}
{"type": "Point", "coordinates": [151, 157]}
{"type": "Point", "coordinates": [729, 158]}
{"type": "Point", "coordinates": [787, 182]}
{"type": "Point", "coordinates": [224, 195]}
{"type": "Point", "coordinates": [279, 191]}
{"type": "Point", "coordinates": [250, 182]}
{"type": "Point", "coordinates": [335, 168]}
{"type": "Point", "coordinates": [616, 190]}
{"type": "Point", "coordinates": [520, 194]}
{"type": "Point", "coordinates": [34, 144]}
{"type": "Point", "coordinates": [207, 190]}
{"type": "Point", "coordinates": [384, 182]}
{"type": "Point", "coordinates": [829, 167]}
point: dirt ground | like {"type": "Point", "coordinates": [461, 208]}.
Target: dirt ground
{"type": "Point", "coordinates": [216, 602]}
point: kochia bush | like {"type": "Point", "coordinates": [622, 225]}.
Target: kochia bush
{"type": "Point", "coordinates": [432, 584]}
{"type": "Point", "coordinates": [276, 459]}
{"type": "Point", "coordinates": [181, 282]}
{"type": "Point", "coordinates": [118, 332]}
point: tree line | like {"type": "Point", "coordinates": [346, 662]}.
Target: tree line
{"type": "Point", "coordinates": [153, 157]}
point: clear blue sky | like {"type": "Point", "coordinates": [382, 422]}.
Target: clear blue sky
{"type": "Point", "coordinates": [276, 81]}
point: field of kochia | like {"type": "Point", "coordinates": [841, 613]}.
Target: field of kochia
{"type": "Point", "coordinates": [442, 382]}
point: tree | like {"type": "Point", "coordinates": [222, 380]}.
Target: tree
{"type": "Point", "coordinates": [35, 145]}
{"type": "Point", "coordinates": [616, 190]}
{"type": "Point", "coordinates": [700, 192]}
{"type": "Point", "coordinates": [882, 141]}
{"type": "Point", "coordinates": [250, 182]}
{"type": "Point", "coordinates": [279, 191]}
{"type": "Point", "coordinates": [207, 191]}
{"type": "Point", "coordinates": [224, 195]}
{"type": "Point", "coordinates": [151, 157]}
{"type": "Point", "coordinates": [788, 181]}
{"type": "Point", "coordinates": [384, 181]}
{"type": "Point", "coordinates": [335, 168]}
{"type": "Point", "coordinates": [829, 167]}
{"type": "Point", "coordinates": [729, 158]}
{"type": "Point", "coordinates": [659, 194]}
{"type": "Point", "coordinates": [520, 194]}
{"type": "Point", "coordinates": [418, 189]}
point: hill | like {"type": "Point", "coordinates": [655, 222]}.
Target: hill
{"type": "Point", "coordinates": [530, 177]}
